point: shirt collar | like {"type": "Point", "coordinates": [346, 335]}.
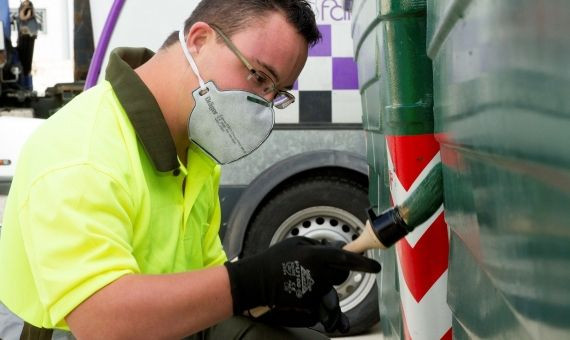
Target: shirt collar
{"type": "Point", "coordinates": [141, 106]}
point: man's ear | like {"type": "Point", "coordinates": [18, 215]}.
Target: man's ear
{"type": "Point", "coordinates": [198, 35]}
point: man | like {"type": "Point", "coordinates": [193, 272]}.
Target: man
{"type": "Point", "coordinates": [111, 226]}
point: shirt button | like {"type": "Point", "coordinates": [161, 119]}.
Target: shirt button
{"type": "Point", "coordinates": [176, 172]}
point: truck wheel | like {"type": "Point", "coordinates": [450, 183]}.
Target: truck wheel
{"type": "Point", "coordinates": [323, 208]}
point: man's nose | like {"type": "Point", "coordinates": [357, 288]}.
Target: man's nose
{"type": "Point", "coordinates": [270, 96]}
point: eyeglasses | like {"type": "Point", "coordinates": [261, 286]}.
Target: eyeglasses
{"type": "Point", "coordinates": [259, 79]}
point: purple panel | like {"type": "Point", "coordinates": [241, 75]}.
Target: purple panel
{"type": "Point", "coordinates": [345, 75]}
{"type": "Point", "coordinates": [323, 48]}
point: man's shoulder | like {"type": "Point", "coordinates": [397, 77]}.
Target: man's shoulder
{"type": "Point", "coordinates": [96, 98]}
{"type": "Point", "coordinates": [91, 129]}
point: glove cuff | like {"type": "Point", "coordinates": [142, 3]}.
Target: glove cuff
{"type": "Point", "coordinates": [244, 284]}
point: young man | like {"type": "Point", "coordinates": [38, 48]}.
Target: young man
{"type": "Point", "coordinates": [111, 226]}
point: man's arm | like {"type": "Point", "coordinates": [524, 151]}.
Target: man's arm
{"type": "Point", "coordinates": [154, 306]}
{"type": "Point", "coordinates": [292, 275]}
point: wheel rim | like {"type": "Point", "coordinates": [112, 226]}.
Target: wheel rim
{"type": "Point", "coordinates": [331, 224]}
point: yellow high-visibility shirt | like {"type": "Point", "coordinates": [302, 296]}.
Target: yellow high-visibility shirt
{"type": "Point", "coordinates": [99, 193]}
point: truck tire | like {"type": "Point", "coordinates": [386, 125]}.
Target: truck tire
{"type": "Point", "coordinates": [330, 208]}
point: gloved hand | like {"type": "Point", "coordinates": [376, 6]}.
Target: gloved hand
{"type": "Point", "coordinates": [327, 312]}
{"type": "Point", "coordinates": [293, 277]}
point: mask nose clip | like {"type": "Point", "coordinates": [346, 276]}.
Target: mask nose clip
{"type": "Point", "coordinates": [260, 102]}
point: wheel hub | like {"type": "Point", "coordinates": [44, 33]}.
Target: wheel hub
{"type": "Point", "coordinates": [331, 224]}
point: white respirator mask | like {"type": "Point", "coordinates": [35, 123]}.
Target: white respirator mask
{"type": "Point", "coordinates": [227, 125]}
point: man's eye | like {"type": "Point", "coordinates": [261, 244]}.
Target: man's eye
{"type": "Point", "coordinates": [259, 79]}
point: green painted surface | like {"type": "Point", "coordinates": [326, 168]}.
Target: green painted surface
{"type": "Point", "coordinates": [390, 313]}
{"type": "Point", "coordinates": [390, 49]}
{"type": "Point", "coordinates": [406, 75]}
{"type": "Point", "coordinates": [371, 105]}
{"type": "Point", "coordinates": [425, 200]}
{"type": "Point", "coordinates": [364, 19]}
{"type": "Point", "coordinates": [406, 96]}
{"type": "Point", "coordinates": [502, 106]}
{"type": "Point", "coordinates": [501, 85]}
{"type": "Point", "coordinates": [395, 77]}
{"type": "Point", "coordinates": [368, 61]}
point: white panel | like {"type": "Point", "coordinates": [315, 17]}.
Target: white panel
{"type": "Point", "coordinates": [317, 74]}
{"type": "Point", "coordinates": [341, 40]}
{"type": "Point", "coordinates": [346, 106]}
{"type": "Point", "coordinates": [291, 113]}
{"type": "Point", "coordinates": [330, 11]}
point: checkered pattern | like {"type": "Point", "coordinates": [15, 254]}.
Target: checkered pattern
{"type": "Point", "coordinates": [327, 89]}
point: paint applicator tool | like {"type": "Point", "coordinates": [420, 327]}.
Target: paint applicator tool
{"type": "Point", "coordinates": [381, 232]}
{"type": "Point", "coordinates": [384, 230]}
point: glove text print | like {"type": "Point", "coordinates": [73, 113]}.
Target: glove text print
{"type": "Point", "coordinates": [297, 279]}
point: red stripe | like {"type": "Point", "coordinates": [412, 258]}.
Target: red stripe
{"type": "Point", "coordinates": [410, 155]}
{"type": "Point", "coordinates": [448, 335]}
{"type": "Point", "coordinates": [424, 264]}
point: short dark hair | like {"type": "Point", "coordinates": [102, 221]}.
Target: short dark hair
{"type": "Point", "coordinates": [232, 16]}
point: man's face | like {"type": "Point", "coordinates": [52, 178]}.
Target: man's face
{"type": "Point", "coordinates": [271, 46]}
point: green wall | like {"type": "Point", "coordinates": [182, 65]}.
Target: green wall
{"type": "Point", "coordinates": [502, 104]}
{"type": "Point", "coordinates": [395, 77]}
{"type": "Point", "coordinates": [501, 111]}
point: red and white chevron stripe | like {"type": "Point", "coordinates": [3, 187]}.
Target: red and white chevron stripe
{"type": "Point", "coordinates": [423, 255]}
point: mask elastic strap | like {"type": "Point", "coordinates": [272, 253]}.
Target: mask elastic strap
{"type": "Point", "coordinates": [189, 57]}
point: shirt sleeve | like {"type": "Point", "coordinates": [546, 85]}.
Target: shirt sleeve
{"type": "Point", "coordinates": [213, 252]}
{"type": "Point", "coordinates": [77, 231]}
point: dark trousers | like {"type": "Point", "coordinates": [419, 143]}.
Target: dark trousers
{"type": "Point", "coordinates": [243, 328]}
{"type": "Point", "coordinates": [238, 327]}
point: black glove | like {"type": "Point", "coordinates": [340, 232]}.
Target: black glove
{"type": "Point", "coordinates": [293, 276]}
{"type": "Point", "coordinates": [327, 312]}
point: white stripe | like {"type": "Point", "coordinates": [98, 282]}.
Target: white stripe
{"type": "Point", "coordinates": [423, 174]}
{"type": "Point", "coordinates": [400, 194]}
{"type": "Point", "coordinates": [420, 230]}
{"type": "Point", "coordinates": [430, 318]}
{"type": "Point", "coordinates": [396, 186]}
